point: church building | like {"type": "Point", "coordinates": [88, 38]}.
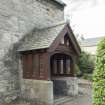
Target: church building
{"type": "Point", "coordinates": [38, 51]}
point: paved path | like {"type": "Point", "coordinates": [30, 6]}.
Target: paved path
{"type": "Point", "coordinates": [84, 98]}
{"type": "Point", "coordinates": [80, 100]}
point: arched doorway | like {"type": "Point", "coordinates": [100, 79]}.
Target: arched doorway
{"type": "Point", "coordinates": [61, 65]}
{"type": "Point", "coordinates": [61, 68]}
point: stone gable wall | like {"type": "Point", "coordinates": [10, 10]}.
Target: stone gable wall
{"type": "Point", "coordinates": [17, 18]}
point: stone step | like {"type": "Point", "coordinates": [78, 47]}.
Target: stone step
{"type": "Point", "coordinates": [62, 100]}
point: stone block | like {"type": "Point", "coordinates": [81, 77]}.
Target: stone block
{"type": "Point", "coordinates": [37, 90]}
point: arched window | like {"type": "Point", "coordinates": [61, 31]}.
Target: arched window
{"type": "Point", "coordinates": [62, 41]}
{"type": "Point", "coordinates": [65, 41]}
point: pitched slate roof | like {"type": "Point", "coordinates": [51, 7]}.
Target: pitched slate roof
{"type": "Point", "coordinates": [91, 41]}
{"type": "Point", "coordinates": [42, 38]}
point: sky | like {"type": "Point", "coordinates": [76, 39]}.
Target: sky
{"type": "Point", "coordinates": [87, 17]}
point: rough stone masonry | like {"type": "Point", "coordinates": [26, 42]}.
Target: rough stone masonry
{"type": "Point", "coordinates": [19, 18]}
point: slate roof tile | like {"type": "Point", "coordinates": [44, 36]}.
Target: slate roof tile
{"type": "Point", "coordinates": [42, 38]}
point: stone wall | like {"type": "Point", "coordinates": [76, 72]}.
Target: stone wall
{"type": "Point", "coordinates": [17, 18]}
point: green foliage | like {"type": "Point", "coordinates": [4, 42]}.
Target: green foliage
{"type": "Point", "coordinates": [77, 70]}
{"type": "Point", "coordinates": [86, 63]}
{"type": "Point", "coordinates": [99, 76]}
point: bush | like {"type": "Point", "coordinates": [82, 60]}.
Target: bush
{"type": "Point", "coordinates": [99, 76]}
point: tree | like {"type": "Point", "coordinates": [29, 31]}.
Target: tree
{"type": "Point", "coordinates": [86, 63]}
{"type": "Point", "coordinates": [99, 76]}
